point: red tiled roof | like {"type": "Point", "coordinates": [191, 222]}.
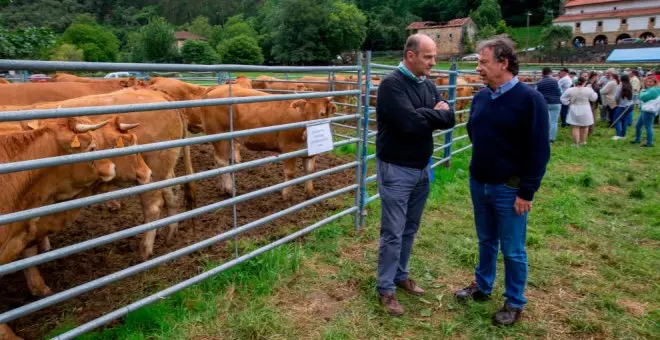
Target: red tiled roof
{"type": "Point", "coordinates": [431, 24]}
{"type": "Point", "coordinates": [183, 35]}
{"type": "Point", "coordinates": [609, 14]}
{"type": "Point", "coordinates": [573, 3]}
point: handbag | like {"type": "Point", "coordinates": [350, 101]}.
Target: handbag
{"type": "Point", "coordinates": [652, 106]}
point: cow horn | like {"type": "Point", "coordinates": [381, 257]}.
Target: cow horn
{"type": "Point", "coordinates": [81, 128]}
{"type": "Point", "coordinates": [127, 126]}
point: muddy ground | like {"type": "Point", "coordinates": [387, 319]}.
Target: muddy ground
{"type": "Point", "coordinates": [98, 220]}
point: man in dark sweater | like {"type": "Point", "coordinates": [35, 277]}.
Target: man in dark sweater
{"type": "Point", "coordinates": [408, 109]}
{"type": "Point", "coordinates": [549, 89]}
{"type": "Point", "coordinates": [508, 127]}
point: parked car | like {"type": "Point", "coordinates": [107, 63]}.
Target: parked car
{"type": "Point", "coordinates": [471, 57]}
{"type": "Point", "coordinates": [38, 78]}
{"type": "Point", "coordinates": [138, 75]}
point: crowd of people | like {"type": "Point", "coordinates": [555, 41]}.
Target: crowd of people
{"type": "Point", "coordinates": [613, 96]}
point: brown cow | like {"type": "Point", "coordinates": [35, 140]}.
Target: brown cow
{"type": "Point", "coordinates": [280, 85]}
{"type": "Point", "coordinates": [128, 169]}
{"type": "Point", "coordinates": [32, 93]}
{"type": "Point", "coordinates": [179, 90]}
{"type": "Point", "coordinates": [254, 115]}
{"type": "Point", "coordinates": [241, 81]}
{"type": "Point", "coordinates": [66, 77]}
{"type": "Point", "coordinates": [155, 126]}
{"type": "Point", "coordinates": [321, 84]}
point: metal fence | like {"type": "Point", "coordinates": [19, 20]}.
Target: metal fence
{"type": "Point", "coordinates": [353, 124]}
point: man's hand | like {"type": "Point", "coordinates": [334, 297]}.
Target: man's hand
{"type": "Point", "coordinates": [441, 106]}
{"type": "Point", "coordinates": [521, 206]}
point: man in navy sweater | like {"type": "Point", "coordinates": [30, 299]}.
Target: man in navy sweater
{"type": "Point", "coordinates": [508, 126]}
{"type": "Point", "coordinates": [549, 88]}
{"type": "Point", "coordinates": [408, 109]}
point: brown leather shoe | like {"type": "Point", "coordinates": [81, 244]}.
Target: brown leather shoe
{"type": "Point", "coordinates": [410, 286]}
{"type": "Point", "coordinates": [388, 300]}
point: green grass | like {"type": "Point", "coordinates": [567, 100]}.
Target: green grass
{"type": "Point", "coordinates": [593, 246]}
{"type": "Point", "coordinates": [519, 35]}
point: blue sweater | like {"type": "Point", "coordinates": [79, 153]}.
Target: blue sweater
{"type": "Point", "coordinates": [509, 137]}
{"type": "Point", "coordinates": [549, 88]}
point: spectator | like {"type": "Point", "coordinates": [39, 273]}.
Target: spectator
{"type": "Point", "coordinates": [580, 115]}
{"type": "Point", "coordinates": [646, 97]}
{"type": "Point", "coordinates": [608, 92]}
{"type": "Point", "coordinates": [573, 76]}
{"type": "Point", "coordinates": [565, 83]}
{"type": "Point", "coordinates": [625, 105]}
{"type": "Point", "coordinates": [594, 85]}
{"type": "Point", "coordinates": [549, 88]}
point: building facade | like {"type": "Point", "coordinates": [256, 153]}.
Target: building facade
{"type": "Point", "coordinates": [182, 36]}
{"type": "Point", "coordinates": [448, 36]}
{"type": "Point", "coordinates": [603, 22]}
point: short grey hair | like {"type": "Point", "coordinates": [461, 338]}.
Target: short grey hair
{"type": "Point", "coordinates": [503, 49]}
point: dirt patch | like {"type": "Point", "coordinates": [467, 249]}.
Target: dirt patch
{"type": "Point", "coordinates": [633, 307]}
{"type": "Point", "coordinates": [610, 189]}
{"type": "Point", "coordinates": [570, 168]}
{"type": "Point", "coordinates": [96, 221]}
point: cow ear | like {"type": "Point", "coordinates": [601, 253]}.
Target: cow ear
{"type": "Point", "coordinates": [33, 124]}
{"type": "Point", "coordinates": [300, 103]}
{"type": "Point", "coordinates": [120, 142]}
{"type": "Point", "coordinates": [75, 143]}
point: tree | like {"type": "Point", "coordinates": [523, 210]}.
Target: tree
{"type": "Point", "coordinates": [67, 52]}
{"type": "Point", "coordinates": [198, 52]}
{"type": "Point", "coordinates": [155, 42]}
{"type": "Point", "coordinates": [242, 50]}
{"type": "Point", "coordinates": [236, 26]}
{"type": "Point", "coordinates": [488, 13]}
{"type": "Point", "coordinates": [97, 43]}
{"type": "Point", "coordinates": [200, 26]}
{"type": "Point", "coordinates": [29, 43]}
{"type": "Point", "coordinates": [346, 28]}
{"type": "Point", "coordinates": [556, 41]}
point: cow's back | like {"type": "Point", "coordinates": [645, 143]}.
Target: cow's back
{"type": "Point", "coordinates": [32, 93]}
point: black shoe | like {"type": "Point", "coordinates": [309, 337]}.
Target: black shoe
{"type": "Point", "coordinates": [507, 316]}
{"type": "Point", "coordinates": [471, 291]}
{"type": "Point", "coordinates": [647, 145]}
{"type": "Point", "coordinates": [634, 142]}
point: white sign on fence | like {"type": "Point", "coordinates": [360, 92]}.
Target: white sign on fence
{"type": "Point", "coordinates": [319, 138]}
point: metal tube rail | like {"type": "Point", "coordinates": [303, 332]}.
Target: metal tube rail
{"type": "Point", "coordinates": [82, 246]}
{"type": "Point", "coordinates": [342, 136]}
{"type": "Point", "coordinates": [196, 279]}
{"type": "Point", "coordinates": [130, 271]}
{"type": "Point", "coordinates": [459, 125]}
{"type": "Point", "coordinates": [444, 146]}
{"type": "Point", "coordinates": [460, 138]}
{"type": "Point", "coordinates": [108, 153]}
{"type": "Point", "coordinates": [442, 161]}
{"type": "Point", "coordinates": [462, 149]}
{"type": "Point", "coordinates": [371, 178]}
{"type": "Point", "coordinates": [95, 66]}
{"type": "Point", "coordinates": [344, 126]}
{"type": "Point", "coordinates": [8, 116]}
{"type": "Point", "coordinates": [373, 198]}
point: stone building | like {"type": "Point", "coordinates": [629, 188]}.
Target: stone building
{"type": "Point", "coordinates": [182, 36]}
{"type": "Point", "coordinates": [602, 22]}
{"type": "Point", "coordinates": [449, 36]}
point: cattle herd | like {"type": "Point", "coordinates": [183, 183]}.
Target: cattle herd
{"type": "Point", "coordinates": [35, 139]}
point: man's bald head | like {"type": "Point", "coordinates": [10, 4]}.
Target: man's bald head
{"type": "Point", "coordinates": [419, 54]}
{"type": "Point", "coordinates": [416, 42]}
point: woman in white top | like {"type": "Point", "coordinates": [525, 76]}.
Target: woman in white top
{"type": "Point", "coordinates": [580, 115]}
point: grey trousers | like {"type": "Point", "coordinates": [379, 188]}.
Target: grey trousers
{"type": "Point", "coordinates": [403, 193]}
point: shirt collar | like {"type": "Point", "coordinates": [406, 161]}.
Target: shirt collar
{"type": "Point", "coordinates": [409, 74]}
{"type": "Point", "coordinates": [504, 87]}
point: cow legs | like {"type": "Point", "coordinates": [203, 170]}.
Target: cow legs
{"type": "Point", "coordinates": [152, 203]}
{"type": "Point", "coordinates": [221, 156]}
{"type": "Point", "coordinates": [237, 152]}
{"type": "Point", "coordinates": [289, 174]}
{"type": "Point", "coordinates": [172, 206]}
{"type": "Point", "coordinates": [310, 166]}
{"type": "Point", "coordinates": [34, 279]}
{"type": "Point", "coordinates": [44, 244]}
{"type": "Point", "coordinates": [7, 334]}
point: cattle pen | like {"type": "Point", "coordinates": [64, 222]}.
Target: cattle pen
{"type": "Point", "coordinates": [238, 192]}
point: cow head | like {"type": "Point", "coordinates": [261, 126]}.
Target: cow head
{"type": "Point", "coordinates": [129, 168]}
{"type": "Point", "coordinates": [317, 108]}
{"type": "Point", "coordinates": [242, 81]}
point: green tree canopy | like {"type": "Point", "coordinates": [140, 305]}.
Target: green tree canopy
{"type": "Point", "coordinates": [198, 52]}
{"type": "Point", "coordinates": [155, 42]}
{"type": "Point", "coordinates": [488, 13]}
{"type": "Point", "coordinates": [242, 50]}
{"type": "Point", "coordinates": [67, 52]}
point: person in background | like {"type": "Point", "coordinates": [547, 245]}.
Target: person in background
{"type": "Point", "coordinates": [650, 93]}
{"type": "Point", "coordinates": [624, 107]}
{"type": "Point", "coordinates": [580, 116]}
{"type": "Point", "coordinates": [508, 127]}
{"type": "Point", "coordinates": [549, 88]}
{"type": "Point", "coordinates": [565, 82]}
{"type": "Point", "coordinates": [573, 76]}
{"type": "Point", "coordinates": [636, 88]}
{"type": "Point", "coordinates": [408, 109]}
{"type": "Point", "coordinates": [594, 85]}
{"type": "Point", "coordinates": [603, 79]}
{"type": "Point", "coordinates": [608, 92]}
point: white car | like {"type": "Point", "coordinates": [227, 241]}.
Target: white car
{"type": "Point", "coordinates": [118, 75]}
{"type": "Point", "coordinates": [471, 57]}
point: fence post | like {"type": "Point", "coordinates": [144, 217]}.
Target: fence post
{"type": "Point", "coordinates": [453, 72]}
{"type": "Point", "coordinates": [363, 135]}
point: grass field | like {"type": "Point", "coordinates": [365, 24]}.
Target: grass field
{"type": "Point", "coordinates": [519, 35]}
{"type": "Point", "coordinates": [593, 246]}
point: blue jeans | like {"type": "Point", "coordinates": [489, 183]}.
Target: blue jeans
{"type": "Point", "coordinates": [553, 112]}
{"type": "Point", "coordinates": [403, 193]}
{"type": "Point", "coordinates": [621, 115]}
{"type": "Point", "coordinates": [498, 225]}
{"type": "Point", "coordinates": [646, 120]}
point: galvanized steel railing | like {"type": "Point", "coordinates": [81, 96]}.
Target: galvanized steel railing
{"type": "Point", "coordinates": [363, 136]}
